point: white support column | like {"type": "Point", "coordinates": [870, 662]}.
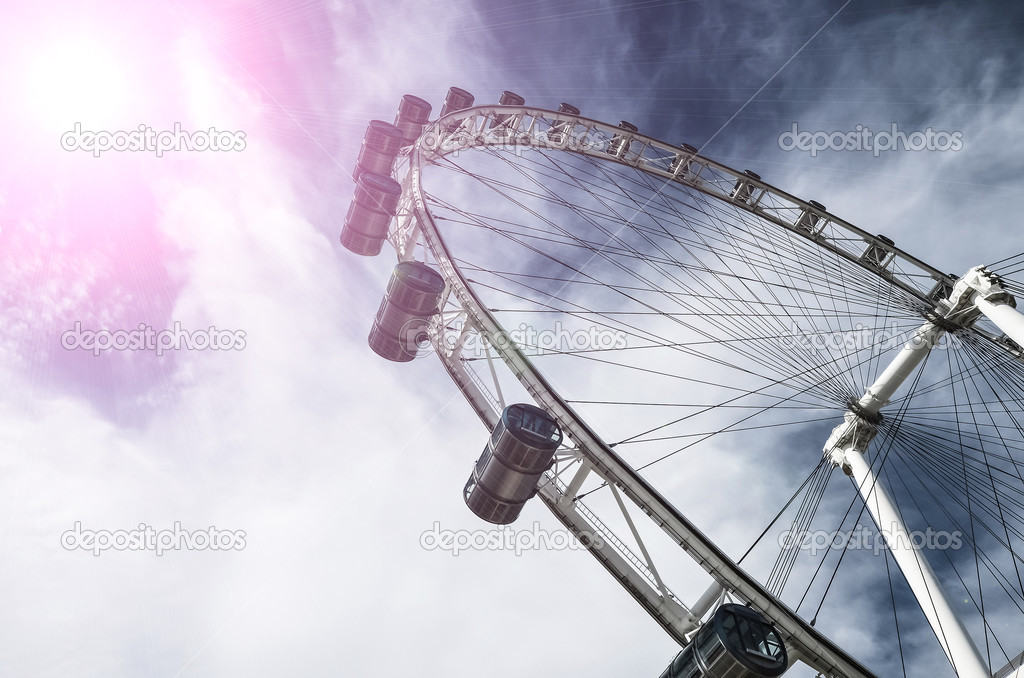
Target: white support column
{"type": "Point", "coordinates": [845, 447]}
{"type": "Point", "coordinates": [708, 600]}
{"type": "Point", "coordinates": [639, 541]}
{"type": "Point", "coordinates": [494, 375]}
{"type": "Point", "coordinates": [676, 618]}
{"type": "Point", "coordinates": [576, 483]}
{"type": "Point", "coordinates": [902, 366]}
{"type": "Point", "coordinates": [953, 637]}
{"type": "Point", "coordinates": [1006, 317]}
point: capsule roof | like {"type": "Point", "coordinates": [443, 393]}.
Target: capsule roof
{"type": "Point", "coordinates": [380, 183]}
{"type": "Point", "coordinates": [419, 276]}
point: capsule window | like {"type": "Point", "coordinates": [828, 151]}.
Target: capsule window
{"type": "Point", "coordinates": [753, 636]}
{"type": "Point", "coordinates": [684, 665]}
{"type": "Point", "coordinates": [481, 463]}
{"type": "Point", "coordinates": [742, 637]}
{"type": "Point", "coordinates": [536, 424]}
{"type": "Point", "coordinates": [711, 646]}
{"type": "Point", "coordinates": [498, 430]}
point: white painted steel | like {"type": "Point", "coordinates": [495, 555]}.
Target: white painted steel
{"type": "Point", "coordinates": [415, 226]}
{"type": "Point", "coordinates": [963, 655]}
{"type": "Point", "coordinates": [902, 366]}
{"type": "Point", "coordinates": [815, 649]}
{"type": "Point", "coordinates": [1006, 317]}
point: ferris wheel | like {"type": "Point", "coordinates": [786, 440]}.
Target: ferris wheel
{"type": "Point", "coordinates": [661, 346]}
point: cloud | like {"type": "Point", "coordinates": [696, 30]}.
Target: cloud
{"type": "Point", "coordinates": [334, 462]}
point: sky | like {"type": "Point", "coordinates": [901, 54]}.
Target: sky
{"type": "Point", "coordinates": [325, 463]}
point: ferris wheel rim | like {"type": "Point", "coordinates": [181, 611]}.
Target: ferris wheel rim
{"type": "Point", "coordinates": [811, 643]}
{"type": "Point", "coordinates": [430, 145]}
{"type": "Point", "coordinates": [476, 127]}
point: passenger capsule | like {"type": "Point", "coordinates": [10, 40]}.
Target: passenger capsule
{"type": "Point", "coordinates": [412, 299]}
{"type": "Point", "coordinates": [507, 99]}
{"type": "Point", "coordinates": [380, 146]}
{"type": "Point", "coordinates": [619, 144]}
{"type": "Point", "coordinates": [743, 191]}
{"type": "Point", "coordinates": [369, 215]}
{"type": "Point", "coordinates": [519, 450]}
{"type": "Point", "coordinates": [560, 128]}
{"type": "Point", "coordinates": [737, 642]}
{"type": "Point", "coordinates": [413, 114]}
{"type": "Point", "coordinates": [365, 230]}
{"type": "Point", "coordinates": [808, 219]}
{"type": "Point", "coordinates": [456, 100]}
{"type": "Point", "coordinates": [681, 163]}
{"type": "Point", "coordinates": [378, 191]}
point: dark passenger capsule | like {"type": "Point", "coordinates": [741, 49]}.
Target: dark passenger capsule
{"type": "Point", "coordinates": [737, 642]}
{"type": "Point", "coordinates": [519, 450]}
{"type": "Point", "coordinates": [412, 299]}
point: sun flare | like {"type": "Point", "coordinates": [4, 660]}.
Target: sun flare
{"type": "Point", "coordinates": [78, 80]}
